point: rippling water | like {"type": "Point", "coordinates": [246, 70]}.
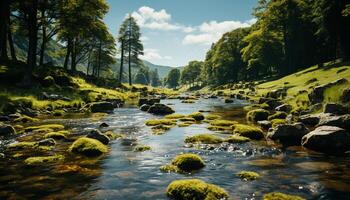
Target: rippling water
{"type": "Point", "coordinates": [124, 174]}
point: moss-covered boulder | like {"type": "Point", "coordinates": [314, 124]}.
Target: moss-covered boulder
{"type": "Point", "coordinates": [277, 122]}
{"type": "Point", "coordinates": [43, 159]}
{"type": "Point", "coordinates": [219, 122]}
{"type": "Point", "coordinates": [187, 119]}
{"type": "Point", "coordinates": [237, 139]}
{"type": "Point", "coordinates": [155, 122]}
{"type": "Point", "coordinates": [113, 136]}
{"type": "Point", "coordinates": [281, 196]}
{"type": "Point", "coordinates": [278, 115]}
{"type": "Point", "coordinates": [174, 116]}
{"type": "Point", "coordinates": [57, 135]}
{"type": "Point", "coordinates": [257, 115]}
{"type": "Point", "coordinates": [58, 113]}
{"type": "Point", "coordinates": [251, 132]}
{"type": "Point", "coordinates": [141, 148]}
{"type": "Point", "coordinates": [195, 189]}
{"type": "Point", "coordinates": [160, 109]}
{"type": "Point", "coordinates": [212, 117]}
{"type": "Point", "coordinates": [188, 162]}
{"type": "Point", "coordinates": [25, 119]}
{"type": "Point", "coordinates": [204, 139]}
{"type": "Point", "coordinates": [197, 116]}
{"type": "Point", "coordinates": [248, 175]}
{"type": "Point", "coordinates": [97, 135]}
{"type": "Point", "coordinates": [88, 147]}
{"type": "Point", "coordinates": [46, 128]}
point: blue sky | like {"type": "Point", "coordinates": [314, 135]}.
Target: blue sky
{"type": "Point", "coordinates": [175, 32]}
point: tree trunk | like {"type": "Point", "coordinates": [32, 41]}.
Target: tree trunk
{"type": "Point", "coordinates": [43, 42]}
{"type": "Point", "coordinates": [99, 59]}
{"type": "Point", "coordinates": [121, 64]}
{"type": "Point", "coordinates": [69, 49]}
{"type": "Point", "coordinates": [89, 63]}
{"type": "Point", "coordinates": [4, 27]}
{"type": "Point", "coordinates": [33, 38]}
{"type": "Point", "coordinates": [73, 56]}
{"type": "Point", "coordinates": [12, 46]}
{"type": "Point", "coordinates": [130, 52]}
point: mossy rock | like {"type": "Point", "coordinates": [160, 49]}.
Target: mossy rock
{"type": "Point", "coordinates": [25, 119]}
{"type": "Point", "coordinates": [169, 168]}
{"type": "Point", "coordinates": [195, 189]}
{"type": "Point", "coordinates": [220, 128]}
{"type": "Point", "coordinates": [281, 196]}
{"type": "Point", "coordinates": [188, 101]}
{"type": "Point", "coordinates": [276, 122]}
{"type": "Point", "coordinates": [58, 113]}
{"type": "Point", "coordinates": [161, 129]}
{"type": "Point", "coordinates": [141, 148]}
{"type": "Point", "coordinates": [188, 162]}
{"type": "Point", "coordinates": [31, 145]}
{"type": "Point", "coordinates": [155, 122]}
{"type": "Point", "coordinates": [186, 124]}
{"type": "Point", "coordinates": [248, 175]}
{"type": "Point", "coordinates": [204, 139]}
{"type": "Point", "coordinates": [187, 119]}
{"type": "Point", "coordinates": [212, 117]}
{"type": "Point", "coordinates": [174, 116]}
{"type": "Point", "coordinates": [47, 127]}
{"type": "Point", "coordinates": [197, 116]}
{"type": "Point", "coordinates": [219, 122]}
{"type": "Point", "coordinates": [257, 115]}
{"type": "Point", "coordinates": [278, 115]}
{"type": "Point", "coordinates": [237, 139]}
{"type": "Point", "coordinates": [43, 160]}
{"type": "Point", "coordinates": [57, 135]}
{"type": "Point", "coordinates": [48, 81]}
{"type": "Point", "coordinates": [113, 136]}
{"type": "Point", "coordinates": [251, 132]}
{"type": "Point", "coordinates": [88, 147]}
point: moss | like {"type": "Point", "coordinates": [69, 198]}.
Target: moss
{"type": "Point", "coordinates": [160, 129]}
{"type": "Point", "coordinates": [195, 189]}
{"type": "Point", "coordinates": [58, 113]}
{"type": "Point", "coordinates": [276, 122]}
{"type": "Point", "coordinates": [155, 122]}
{"type": "Point", "coordinates": [212, 117]}
{"type": "Point", "coordinates": [169, 168]}
{"type": "Point", "coordinates": [218, 122]}
{"type": "Point", "coordinates": [88, 147]}
{"type": "Point", "coordinates": [25, 119]}
{"type": "Point", "coordinates": [141, 148]}
{"type": "Point", "coordinates": [237, 139]}
{"type": "Point", "coordinates": [188, 101]}
{"type": "Point", "coordinates": [187, 119]}
{"type": "Point", "coordinates": [174, 116]}
{"type": "Point", "coordinates": [281, 196]}
{"type": "Point", "coordinates": [204, 139]}
{"type": "Point", "coordinates": [57, 135]}
{"type": "Point", "coordinates": [185, 124]}
{"type": "Point", "coordinates": [113, 136]}
{"type": "Point", "coordinates": [23, 145]}
{"type": "Point", "coordinates": [197, 116]}
{"type": "Point", "coordinates": [257, 115]}
{"type": "Point", "coordinates": [248, 131]}
{"type": "Point", "coordinates": [219, 128]}
{"type": "Point", "coordinates": [42, 160]}
{"type": "Point", "coordinates": [278, 115]}
{"type": "Point", "coordinates": [248, 175]}
{"type": "Point", "coordinates": [188, 162]}
{"type": "Point", "coordinates": [19, 129]}
{"type": "Point", "coordinates": [47, 127]}
{"type": "Point", "coordinates": [256, 106]}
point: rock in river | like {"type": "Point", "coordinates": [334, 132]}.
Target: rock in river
{"type": "Point", "coordinates": [104, 107]}
{"type": "Point", "coordinates": [6, 130]}
{"type": "Point", "coordinates": [288, 133]}
{"type": "Point", "coordinates": [96, 134]}
{"type": "Point", "coordinates": [327, 139]}
{"type": "Point", "coordinates": [160, 109]}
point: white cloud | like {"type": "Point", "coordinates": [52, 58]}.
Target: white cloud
{"type": "Point", "coordinates": [149, 18]}
{"type": "Point", "coordinates": [144, 38]}
{"type": "Point", "coordinates": [153, 54]}
{"type": "Point", "coordinates": [212, 31]}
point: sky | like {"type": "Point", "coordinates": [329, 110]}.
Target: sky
{"type": "Point", "coordinates": [175, 32]}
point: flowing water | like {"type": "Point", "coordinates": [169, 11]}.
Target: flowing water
{"type": "Point", "coordinates": [125, 174]}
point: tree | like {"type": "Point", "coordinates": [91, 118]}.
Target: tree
{"type": "Point", "coordinates": [142, 76]}
{"type": "Point", "coordinates": [191, 73]}
{"type": "Point", "coordinates": [173, 77]}
{"type": "Point", "coordinates": [4, 27]}
{"type": "Point", "coordinates": [154, 78]}
{"type": "Point", "coordinates": [129, 37]}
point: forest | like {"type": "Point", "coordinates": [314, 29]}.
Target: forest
{"type": "Point", "coordinates": [85, 113]}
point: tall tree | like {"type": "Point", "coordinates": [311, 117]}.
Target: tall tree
{"type": "Point", "coordinates": [4, 27]}
{"type": "Point", "coordinates": [173, 78]}
{"type": "Point", "coordinates": [129, 36]}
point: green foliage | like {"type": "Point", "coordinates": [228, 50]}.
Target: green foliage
{"type": "Point", "coordinates": [173, 78]}
{"type": "Point", "coordinates": [191, 73]}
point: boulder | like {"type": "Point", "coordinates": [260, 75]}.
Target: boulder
{"type": "Point", "coordinates": [160, 109]}
{"type": "Point", "coordinates": [104, 125]}
{"type": "Point", "coordinates": [345, 97]}
{"type": "Point", "coordinates": [104, 107]}
{"type": "Point", "coordinates": [342, 121]}
{"type": "Point", "coordinates": [7, 130]}
{"type": "Point", "coordinates": [4, 118]}
{"type": "Point", "coordinates": [145, 107]}
{"type": "Point", "coordinates": [150, 102]}
{"type": "Point", "coordinates": [265, 124]}
{"type": "Point", "coordinates": [228, 100]}
{"type": "Point", "coordinates": [312, 119]}
{"type": "Point", "coordinates": [290, 134]}
{"type": "Point", "coordinates": [97, 135]}
{"type": "Point", "coordinates": [117, 103]}
{"type": "Point", "coordinates": [327, 139]}
{"type": "Point", "coordinates": [257, 115]}
{"type": "Point", "coordinates": [284, 108]}
{"type": "Point", "coordinates": [335, 108]}
{"type": "Point", "coordinates": [282, 92]}
{"type": "Point", "coordinates": [316, 96]}
{"type": "Point", "coordinates": [88, 147]}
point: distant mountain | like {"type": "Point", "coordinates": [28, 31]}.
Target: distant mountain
{"type": "Point", "coordinates": [162, 70]}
